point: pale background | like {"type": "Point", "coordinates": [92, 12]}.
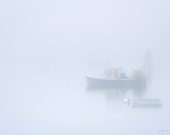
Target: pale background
{"type": "Point", "coordinates": [47, 47]}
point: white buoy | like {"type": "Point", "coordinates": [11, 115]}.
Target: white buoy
{"type": "Point", "coordinates": [126, 101]}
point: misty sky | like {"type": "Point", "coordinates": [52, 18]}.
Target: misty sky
{"type": "Point", "coordinates": [81, 27]}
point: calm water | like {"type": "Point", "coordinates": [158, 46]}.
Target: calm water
{"type": "Point", "coordinates": [54, 99]}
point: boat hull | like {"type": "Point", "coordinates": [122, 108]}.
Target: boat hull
{"type": "Point", "coordinates": [93, 81]}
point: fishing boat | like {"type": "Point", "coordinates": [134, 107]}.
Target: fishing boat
{"type": "Point", "coordinates": [117, 77]}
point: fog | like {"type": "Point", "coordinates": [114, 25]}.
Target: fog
{"type": "Point", "coordinates": [47, 48]}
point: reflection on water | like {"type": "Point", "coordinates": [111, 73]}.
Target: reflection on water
{"type": "Point", "coordinates": [119, 93]}
{"type": "Point", "coordinates": [135, 96]}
